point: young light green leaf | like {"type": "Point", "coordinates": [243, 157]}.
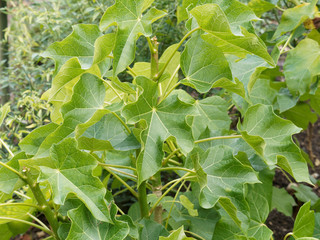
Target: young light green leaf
{"type": "Point", "coordinates": [131, 23]}
{"type": "Point", "coordinates": [163, 120]}
{"type": "Point", "coordinates": [211, 18]}
{"type": "Point", "coordinates": [270, 136]}
{"type": "Point", "coordinates": [73, 174]}
{"type": "Point", "coordinates": [304, 223]}
{"type": "Point", "coordinates": [85, 226]}
{"type": "Point", "coordinates": [177, 235]}
{"type": "Point", "coordinates": [293, 17]}
{"type": "Point", "coordinates": [282, 201]}
{"type": "Point", "coordinates": [226, 177]}
{"type": "Point", "coordinates": [86, 103]}
{"type": "Point", "coordinates": [203, 64]}
{"type": "Point", "coordinates": [302, 65]}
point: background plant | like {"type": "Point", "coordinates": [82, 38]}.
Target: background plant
{"type": "Point", "coordinates": [105, 133]}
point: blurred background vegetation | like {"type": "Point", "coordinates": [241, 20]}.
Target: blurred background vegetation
{"type": "Point", "coordinates": [32, 26]}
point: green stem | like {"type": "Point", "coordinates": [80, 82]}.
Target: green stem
{"type": "Point", "coordinates": [113, 89]}
{"type": "Point", "coordinates": [177, 169]}
{"type": "Point", "coordinates": [174, 51]}
{"type": "Point", "coordinates": [13, 170]}
{"type": "Point", "coordinates": [287, 42]}
{"type": "Point", "coordinates": [287, 235]}
{"type": "Point", "coordinates": [46, 230]}
{"type": "Point", "coordinates": [153, 45]}
{"type": "Point", "coordinates": [169, 83]}
{"type": "Point", "coordinates": [44, 205]}
{"type": "Point", "coordinates": [134, 193]}
{"type": "Point", "coordinates": [143, 202]}
{"type": "Point", "coordinates": [169, 183]}
{"type": "Point", "coordinates": [166, 192]}
{"type": "Point", "coordinates": [38, 221]}
{"type": "Point", "coordinates": [157, 186]}
{"type": "Point", "coordinates": [6, 147]}
{"type": "Point", "coordinates": [175, 162]}
{"type": "Point", "coordinates": [124, 173]}
{"type": "Point", "coordinates": [132, 71]}
{"type": "Point", "coordinates": [165, 161]}
{"type": "Point", "coordinates": [168, 93]}
{"type": "Point", "coordinates": [217, 138]}
{"type": "Point", "coordinates": [173, 202]}
{"type": "Point", "coordinates": [122, 122]}
{"type": "Point", "coordinates": [117, 166]}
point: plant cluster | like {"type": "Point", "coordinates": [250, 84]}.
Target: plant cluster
{"type": "Point", "coordinates": [190, 175]}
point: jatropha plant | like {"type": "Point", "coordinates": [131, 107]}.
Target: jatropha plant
{"type": "Point", "coordinates": [183, 171]}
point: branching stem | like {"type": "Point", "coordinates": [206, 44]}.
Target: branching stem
{"type": "Point", "coordinates": [46, 230]}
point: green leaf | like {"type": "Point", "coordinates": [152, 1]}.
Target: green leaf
{"type": "Point", "coordinates": [86, 43]}
{"type": "Point", "coordinates": [226, 177]}
{"type": "Point", "coordinates": [262, 92]}
{"type": "Point", "coordinates": [304, 223]}
{"type": "Point", "coordinates": [316, 232]}
{"type": "Point", "coordinates": [302, 65]}
{"type": "Point", "coordinates": [270, 136]}
{"type": "Point", "coordinates": [211, 18]}
{"type": "Point", "coordinates": [203, 224]}
{"type": "Point", "coordinates": [282, 201]}
{"type": "Point", "coordinates": [72, 173]}
{"type": "Point", "coordinates": [86, 103]}
{"type": "Point", "coordinates": [9, 181]}
{"type": "Point", "coordinates": [152, 230]}
{"type": "Point", "coordinates": [4, 110]}
{"type": "Point", "coordinates": [85, 226]}
{"type": "Point", "coordinates": [31, 143]}
{"type": "Point", "coordinates": [177, 235]}
{"type": "Point", "coordinates": [203, 64]}
{"type": "Point", "coordinates": [301, 115]}
{"type": "Point", "coordinates": [131, 24]}
{"type": "Point", "coordinates": [106, 134]}
{"type": "Point", "coordinates": [293, 17]}
{"type": "Point", "coordinates": [213, 115]}
{"type": "Point", "coordinates": [5, 232]}
{"type": "Point", "coordinates": [304, 193]}
{"type": "Point", "coordinates": [315, 101]}
{"type": "Point", "coordinates": [160, 125]}
{"type": "Point", "coordinates": [261, 6]}
{"type": "Point", "coordinates": [17, 212]}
